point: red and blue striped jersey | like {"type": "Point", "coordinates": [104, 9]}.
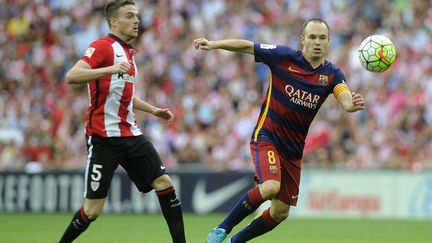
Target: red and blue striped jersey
{"type": "Point", "coordinates": [296, 92]}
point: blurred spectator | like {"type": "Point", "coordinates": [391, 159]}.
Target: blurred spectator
{"type": "Point", "coordinates": [216, 99]}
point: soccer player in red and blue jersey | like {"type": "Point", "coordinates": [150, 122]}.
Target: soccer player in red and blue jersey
{"type": "Point", "coordinates": [113, 137]}
{"type": "Point", "coordinates": [300, 81]}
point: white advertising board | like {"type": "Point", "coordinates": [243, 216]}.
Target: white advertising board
{"type": "Point", "coordinates": [356, 194]}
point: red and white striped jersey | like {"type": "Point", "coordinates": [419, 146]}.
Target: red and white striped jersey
{"type": "Point", "coordinates": [110, 113]}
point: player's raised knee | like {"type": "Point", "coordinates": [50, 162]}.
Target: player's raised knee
{"type": "Point", "coordinates": [269, 189]}
{"type": "Point", "coordinates": [162, 182]}
{"type": "Point", "coordinates": [280, 216]}
{"type": "Point", "coordinates": [92, 213]}
{"type": "Point", "coordinates": [93, 208]}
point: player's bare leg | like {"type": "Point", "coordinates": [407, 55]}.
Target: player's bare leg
{"type": "Point", "coordinates": [279, 210]}
{"type": "Point", "coordinates": [263, 222]}
{"type": "Point", "coordinates": [91, 209]}
{"type": "Point", "coordinates": [269, 188]}
{"type": "Point", "coordinates": [249, 202]}
{"type": "Point", "coordinates": [171, 207]}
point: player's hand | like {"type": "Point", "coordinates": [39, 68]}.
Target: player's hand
{"type": "Point", "coordinates": [358, 101]}
{"type": "Point", "coordinates": [121, 67]}
{"type": "Point", "coordinates": [202, 44]}
{"type": "Point", "coordinates": [165, 114]}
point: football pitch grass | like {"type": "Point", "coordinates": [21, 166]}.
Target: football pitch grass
{"type": "Point", "coordinates": [129, 228]}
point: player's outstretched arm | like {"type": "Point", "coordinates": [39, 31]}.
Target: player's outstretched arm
{"type": "Point", "coordinates": [163, 113]}
{"type": "Point", "coordinates": [234, 45]}
{"type": "Point", "coordinates": [82, 72]}
{"type": "Point", "coordinates": [352, 101]}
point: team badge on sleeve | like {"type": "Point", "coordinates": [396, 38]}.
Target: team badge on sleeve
{"type": "Point", "coordinates": [89, 51]}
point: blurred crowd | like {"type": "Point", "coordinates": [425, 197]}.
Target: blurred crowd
{"type": "Point", "coordinates": [215, 95]}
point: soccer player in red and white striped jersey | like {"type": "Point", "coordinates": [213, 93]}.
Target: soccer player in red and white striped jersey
{"type": "Point", "coordinates": [113, 137]}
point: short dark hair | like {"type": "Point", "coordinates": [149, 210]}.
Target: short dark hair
{"type": "Point", "coordinates": [112, 6]}
{"type": "Point", "coordinates": [316, 19]}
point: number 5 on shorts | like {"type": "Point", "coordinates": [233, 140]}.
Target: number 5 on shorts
{"type": "Point", "coordinates": [96, 172]}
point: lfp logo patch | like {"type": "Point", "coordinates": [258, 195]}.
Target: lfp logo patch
{"type": "Point", "coordinates": [89, 51]}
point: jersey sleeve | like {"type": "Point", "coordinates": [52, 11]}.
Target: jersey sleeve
{"type": "Point", "coordinates": [97, 54]}
{"type": "Point", "coordinates": [271, 54]}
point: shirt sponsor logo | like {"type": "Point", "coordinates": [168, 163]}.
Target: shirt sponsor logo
{"type": "Point", "coordinates": [301, 97]}
{"type": "Point", "coordinates": [89, 52]}
{"type": "Point", "coordinates": [267, 46]}
{"type": "Point", "coordinates": [126, 77]}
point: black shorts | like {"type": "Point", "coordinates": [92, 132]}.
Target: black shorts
{"type": "Point", "coordinates": [135, 154]}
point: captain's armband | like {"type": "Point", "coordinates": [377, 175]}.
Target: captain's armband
{"type": "Point", "coordinates": [339, 89]}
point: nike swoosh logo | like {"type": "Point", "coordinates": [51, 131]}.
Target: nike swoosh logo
{"type": "Point", "coordinates": [205, 202]}
{"type": "Point", "coordinates": [381, 55]}
{"type": "Point", "coordinates": [293, 70]}
{"type": "Point", "coordinates": [119, 55]}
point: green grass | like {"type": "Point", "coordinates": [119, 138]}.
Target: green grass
{"type": "Point", "coordinates": [151, 228]}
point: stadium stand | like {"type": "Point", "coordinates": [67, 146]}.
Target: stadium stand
{"type": "Point", "coordinates": [215, 95]}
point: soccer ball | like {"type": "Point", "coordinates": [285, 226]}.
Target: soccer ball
{"type": "Point", "coordinates": [377, 53]}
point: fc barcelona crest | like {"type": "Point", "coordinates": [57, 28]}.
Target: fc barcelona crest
{"type": "Point", "coordinates": [273, 169]}
{"type": "Point", "coordinates": [323, 80]}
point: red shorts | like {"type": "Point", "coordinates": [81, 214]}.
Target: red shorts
{"type": "Point", "coordinates": [271, 165]}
